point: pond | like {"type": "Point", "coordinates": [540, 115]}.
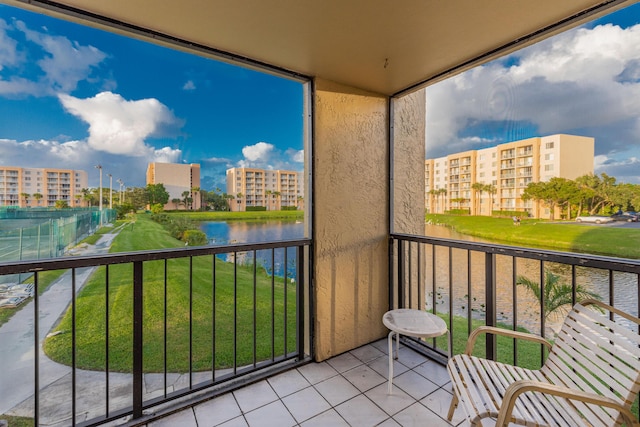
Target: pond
{"type": "Point", "coordinates": [236, 232]}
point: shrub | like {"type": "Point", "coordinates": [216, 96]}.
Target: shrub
{"type": "Point", "coordinates": [194, 237]}
{"type": "Point", "coordinates": [157, 208]}
{"type": "Point", "coordinates": [256, 208]}
{"type": "Point", "coordinates": [289, 208]}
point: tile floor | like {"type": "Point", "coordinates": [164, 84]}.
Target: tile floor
{"type": "Point", "coordinates": [347, 390]}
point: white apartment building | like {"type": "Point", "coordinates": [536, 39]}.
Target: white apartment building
{"type": "Point", "coordinates": [176, 179]}
{"type": "Point", "coordinates": [272, 189]}
{"type": "Point", "coordinates": [41, 187]}
{"type": "Point", "coordinates": [450, 181]}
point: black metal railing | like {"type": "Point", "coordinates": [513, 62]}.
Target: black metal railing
{"type": "Point", "coordinates": [470, 283]}
{"type": "Point", "coordinates": [170, 323]}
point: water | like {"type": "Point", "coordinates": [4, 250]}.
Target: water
{"type": "Point", "coordinates": [236, 232]}
{"type": "Point", "coordinates": [625, 296]}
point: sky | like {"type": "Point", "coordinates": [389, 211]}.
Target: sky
{"type": "Point", "coordinates": [585, 81]}
{"type": "Point", "coordinates": [75, 97]}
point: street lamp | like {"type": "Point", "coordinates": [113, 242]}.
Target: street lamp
{"type": "Point", "coordinates": [110, 191]}
{"type": "Point", "coordinates": [119, 181]}
{"type": "Point", "coordinates": [99, 167]}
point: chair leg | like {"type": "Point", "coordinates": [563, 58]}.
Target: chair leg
{"type": "Point", "coordinates": [452, 408]}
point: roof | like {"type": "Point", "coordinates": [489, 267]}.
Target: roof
{"type": "Point", "coordinates": [383, 46]}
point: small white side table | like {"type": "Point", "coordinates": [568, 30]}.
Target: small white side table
{"type": "Point", "coordinates": [414, 323]}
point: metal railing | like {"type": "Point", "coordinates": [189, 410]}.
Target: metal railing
{"type": "Point", "coordinates": [197, 319]}
{"type": "Point", "coordinates": [469, 283]}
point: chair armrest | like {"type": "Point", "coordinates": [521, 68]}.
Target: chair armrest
{"type": "Point", "coordinates": [522, 386]}
{"type": "Point", "coordinates": [471, 342]}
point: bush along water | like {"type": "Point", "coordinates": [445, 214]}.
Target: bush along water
{"type": "Point", "coordinates": [182, 229]}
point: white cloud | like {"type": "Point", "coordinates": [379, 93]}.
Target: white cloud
{"type": "Point", "coordinates": [258, 152]}
{"type": "Point", "coordinates": [79, 155]}
{"type": "Point", "coordinates": [8, 47]}
{"type": "Point", "coordinates": [66, 62]}
{"type": "Point", "coordinates": [119, 126]}
{"type": "Point", "coordinates": [583, 81]}
{"type": "Point", "coordinates": [296, 156]}
{"type": "Point", "coordinates": [189, 85]}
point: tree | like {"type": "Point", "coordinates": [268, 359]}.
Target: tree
{"type": "Point", "coordinates": [176, 202]}
{"type": "Point", "coordinates": [195, 193]}
{"type": "Point", "coordinates": [442, 192]}
{"type": "Point", "coordinates": [61, 204]}
{"type": "Point", "coordinates": [491, 189]}
{"type": "Point", "coordinates": [478, 188]}
{"type": "Point", "coordinates": [557, 294]}
{"type": "Point", "coordinates": [38, 196]}
{"type": "Point", "coordinates": [186, 198]}
{"type": "Point", "coordinates": [156, 193]}
{"type": "Point", "coordinates": [25, 196]}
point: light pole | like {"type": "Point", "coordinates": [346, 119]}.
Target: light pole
{"type": "Point", "coordinates": [119, 181]}
{"type": "Point", "coordinates": [99, 167]}
{"type": "Point", "coordinates": [110, 191]}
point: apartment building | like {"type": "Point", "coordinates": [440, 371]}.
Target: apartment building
{"type": "Point", "coordinates": [493, 179]}
{"type": "Point", "coordinates": [176, 179]}
{"type": "Point", "coordinates": [272, 189]}
{"type": "Point", "coordinates": [41, 187]}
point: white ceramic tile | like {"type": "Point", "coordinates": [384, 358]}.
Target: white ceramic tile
{"type": "Point", "coordinates": [216, 411]}
{"type": "Point", "coordinates": [434, 372]}
{"type": "Point", "coordinates": [389, 423]}
{"type": "Point", "coordinates": [336, 390]}
{"type": "Point", "coordinates": [254, 396]}
{"type": "Point", "coordinates": [305, 404]}
{"type": "Point", "coordinates": [381, 366]}
{"type": "Point", "coordinates": [361, 412]}
{"type": "Point", "coordinates": [367, 353]}
{"type": "Point", "coordinates": [417, 415]}
{"type": "Point", "coordinates": [344, 362]}
{"type": "Point", "coordinates": [410, 358]}
{"type": "Point", "coordinates": [381, 345]}
{"type": "Point", "coordinates": [183, 418]}
{"type": "Point", "coordinates": [390, 403]}
{"type": "Point", "coordinates": [327, 418]}
{"type": "Point", "coordinates": [274, 414]}
{"type": "Point", "coordinates": [414, 384]}
{"type": "Point", "coordinates": [364, 378]}
{"type": "Point", "coordinates": [236, 422]}
{"type": "Point", "coordinates": [439, 402]}
{"type": "Point", "coordinates": [288, 382]}
{"type": "Point", "coordinates": [316, 372]}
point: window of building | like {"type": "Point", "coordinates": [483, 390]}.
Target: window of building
{"type": "Point", "coordinates": [548, 156]}
{"type": "Point", "coordinates": [549, 145]}
{"type": "Point", "coordinates": [548, 168]}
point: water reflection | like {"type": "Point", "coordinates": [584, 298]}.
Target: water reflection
{"type": "Point", "coordinates": [526, 308]}
{"type": "Point", "coordinates": [235, 232]}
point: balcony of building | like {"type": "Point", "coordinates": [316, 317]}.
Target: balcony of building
{"type": "Point", "coordinates": [321, 359]}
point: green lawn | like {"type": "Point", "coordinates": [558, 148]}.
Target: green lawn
{"type": "Point", "coordinates": [146, 234]}
{"type": "Point", "coordinates": [563, 236]}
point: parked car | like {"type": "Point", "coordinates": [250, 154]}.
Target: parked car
{"type": "Point", "coordinates": [626, 217]}
{"type": "Point", "coordinates": [598, 219]}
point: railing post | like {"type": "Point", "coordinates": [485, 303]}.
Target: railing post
{"type": "Point", "coordinates": [400, 273]}
{"type": "Point", "coordinates": [137, 339]}
{"type": "Point", "coordinates": [300, 312]}
{"type": "Point", "coordinates": [490, 302]}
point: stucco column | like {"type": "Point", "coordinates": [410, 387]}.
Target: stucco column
{"type": "Point", "coordinates": [351, 220]}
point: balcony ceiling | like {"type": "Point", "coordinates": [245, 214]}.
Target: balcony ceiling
{"type": "Point", "coordinates": [382, 46]}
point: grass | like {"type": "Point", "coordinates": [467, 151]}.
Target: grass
{"type": "Point", "coordinates": [230, 216]}
{"type": "Point", "coordinates": [90, 312]}
{"type": "Point", "coordinates": [17, 421]}
{"type": "Point", "coordinates": [567, 236]}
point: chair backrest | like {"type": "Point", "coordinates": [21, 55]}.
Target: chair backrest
{"type": "Point", "coordinates": [594, 354]}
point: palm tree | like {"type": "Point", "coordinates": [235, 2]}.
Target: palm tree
{"type": "Point", "coordinates": [443, 194]}
{"type": "Point", "coordinates": [25, 196]}
{"type": "Point", "coordinates": [557, 294]}
{"type": "Point", "coordinates": [37, 196]}
{"type": "Point", "coordinates": [176, 202]}
{"type": "Point", "coordinates": [195, 191]}
{"type": "Point", "coordinates": [268, 193]}
{"type": "Point", "coordinates": [491, 189]}
{"type": "Point", "coordinates": [478, 188]}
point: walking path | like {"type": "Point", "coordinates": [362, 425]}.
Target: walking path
{"type": "Point", "coordinates": [56, 380]}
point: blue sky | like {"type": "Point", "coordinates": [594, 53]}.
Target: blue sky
{"type": "Point", "coordinates": [73, 96]}
{"type": "Point", "coordinates": [585, 81]}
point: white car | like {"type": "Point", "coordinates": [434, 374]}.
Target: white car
{"type": "Point", "coordinates": [598, 219]}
